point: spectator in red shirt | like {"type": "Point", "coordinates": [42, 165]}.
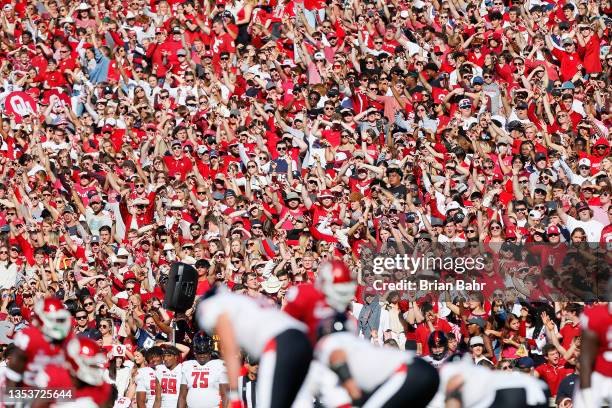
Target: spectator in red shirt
{"type": "Point", "coordinates": [570, 59]}
{"type": "Point", "coordinates": [178, 163]}
{"type": "Point", "coordinates": [554, 370]}
{"type": "Point", "coordinates": [432, 322]}
{"type": "Point", "coordinates": [570, 327]}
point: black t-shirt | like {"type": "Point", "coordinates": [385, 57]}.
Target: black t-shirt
{"type": "Point", "coordinates": [399, 191]}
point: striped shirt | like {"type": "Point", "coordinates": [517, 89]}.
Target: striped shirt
{"type": "Point", "coordinates": [247, 391]}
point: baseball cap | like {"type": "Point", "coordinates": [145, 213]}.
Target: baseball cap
{"type": "Point", "coordinates": [582, 205]}
{"type": "Point", "coordinates": [326, 194]}
{"type": "Point", "coordinates": [476, 340]}
{"type": "Point", "coordinates": [477, 80]}
{"type": "Point", "coordinates": [524, 363]}
{"type": "Point", "coordinates": [522, 105]}
{"type": "Point", "coordinates": [540, 156]}
{"type": "Point", "coordinates": [552, 229]}
{"type": "Point", "coordinates": [535, 214]}
{"type": "Point", "coordinates": [568, 84]}
{"type": "Point", "coordinates": [566, 388]}
{"type": "Point", "coordinates": [477, 321]}
{"type": "Point", "coordinates": [292, 196]}
{"type": "Point", "coordinates": [453, 205]}
{"type": "Point", "coordinates": [465, 103]}
{"type": "Point", "coordinates": [129, 276]}
{"type": "Point", "coordinates": [584, 162]}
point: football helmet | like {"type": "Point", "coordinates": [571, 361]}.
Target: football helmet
{"type": "Point", "coordinates": [437, 339]}
{"type": "Point", "coordinates": [337, 284]}
{"type": "Point", "coordinates": [53, 318]}
{"type": "Point", "coordinates": [86, 360]}
{"type": "Point", "coordinates": [203, 343]}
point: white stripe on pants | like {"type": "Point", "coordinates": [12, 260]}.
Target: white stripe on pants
{"type": "Point", "coordinates": [265, 379]}
{"type": "Point", "coordinates": [387, 390]}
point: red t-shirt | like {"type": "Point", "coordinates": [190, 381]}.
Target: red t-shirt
{"type": "Point", "coordinates": [422, 333]}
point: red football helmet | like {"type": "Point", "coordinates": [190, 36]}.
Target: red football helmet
{"type": "Point", "coordinates": [54, 319]}
{"type": "Point", "coordinates": [86, 360]}
{"type": "Point", "coordinates": [337, 284]}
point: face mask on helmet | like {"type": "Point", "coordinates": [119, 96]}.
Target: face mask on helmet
{"type": "Point", "coordinates": [438, 345]}
{"type": "Point", "coordinates": [336, 283]}
{"type": "Point", "coordinates": [202, 344]}
{"type": "Point", "coordinates": [56, 325]}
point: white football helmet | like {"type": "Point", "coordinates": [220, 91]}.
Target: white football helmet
{"type": "Point", "coordinates": [337, 284]}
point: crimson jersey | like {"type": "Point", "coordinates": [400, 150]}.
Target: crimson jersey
{"type": "Point", "coordinates": [39, 352]}
{"type": "Point", "coordinates": [53, 376]}
{"type": "Point", "coordinates": [307, 304]}
{"type": "Point", "coordinates": [598, 319]}
{"type": "Point", "coordinates": [91, 397]}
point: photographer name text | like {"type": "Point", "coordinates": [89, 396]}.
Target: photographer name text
{"type": "Point", "coordinates": [428, 285]}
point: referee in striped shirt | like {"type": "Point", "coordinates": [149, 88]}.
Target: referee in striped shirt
{"type": "Point", "coordinates": [247, 384]}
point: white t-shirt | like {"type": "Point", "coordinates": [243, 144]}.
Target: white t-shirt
{"type": "Point", "coordinates": [145, 382]}
{"type": "Point", "coordinates": [203, 382]}
{"type": "Point", "coordinates": [170, 381]}
{"type": "Point", "coordinates": [369, 365]}
{"type": "Point", "coordinates": [592, 228]}
{"type": "Point", "coordinates": [255, 323]}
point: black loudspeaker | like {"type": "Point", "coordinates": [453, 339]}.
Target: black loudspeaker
{"type": "Point", "coordinates": [181, 287]}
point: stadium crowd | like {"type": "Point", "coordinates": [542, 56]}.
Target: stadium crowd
{"type": "Point", "coordinates": [256, 140]}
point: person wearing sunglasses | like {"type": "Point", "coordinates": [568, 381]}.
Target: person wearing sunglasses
{"type": "Point", "coordinates": [82, 321]}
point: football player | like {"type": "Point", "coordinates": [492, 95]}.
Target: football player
{"type": "Point", "coordinates": [438, 348]}
{"type": "Point", "coordinates": [169, 377]}
{"type": "Point", "coordinates": [595, 388]}
{"type": "Point", "coordinates": [375, 377]}
{"type": "Point", "coordinates": [80, 382]}
{"type": "Point", "coordinates": [148, 390]}
{"type": "Point", "coordinates": [41, 344]}
{"type": "Point", "coordinates": [203, 380]}
{"type": "Point", "coordinates": [277, 340]}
